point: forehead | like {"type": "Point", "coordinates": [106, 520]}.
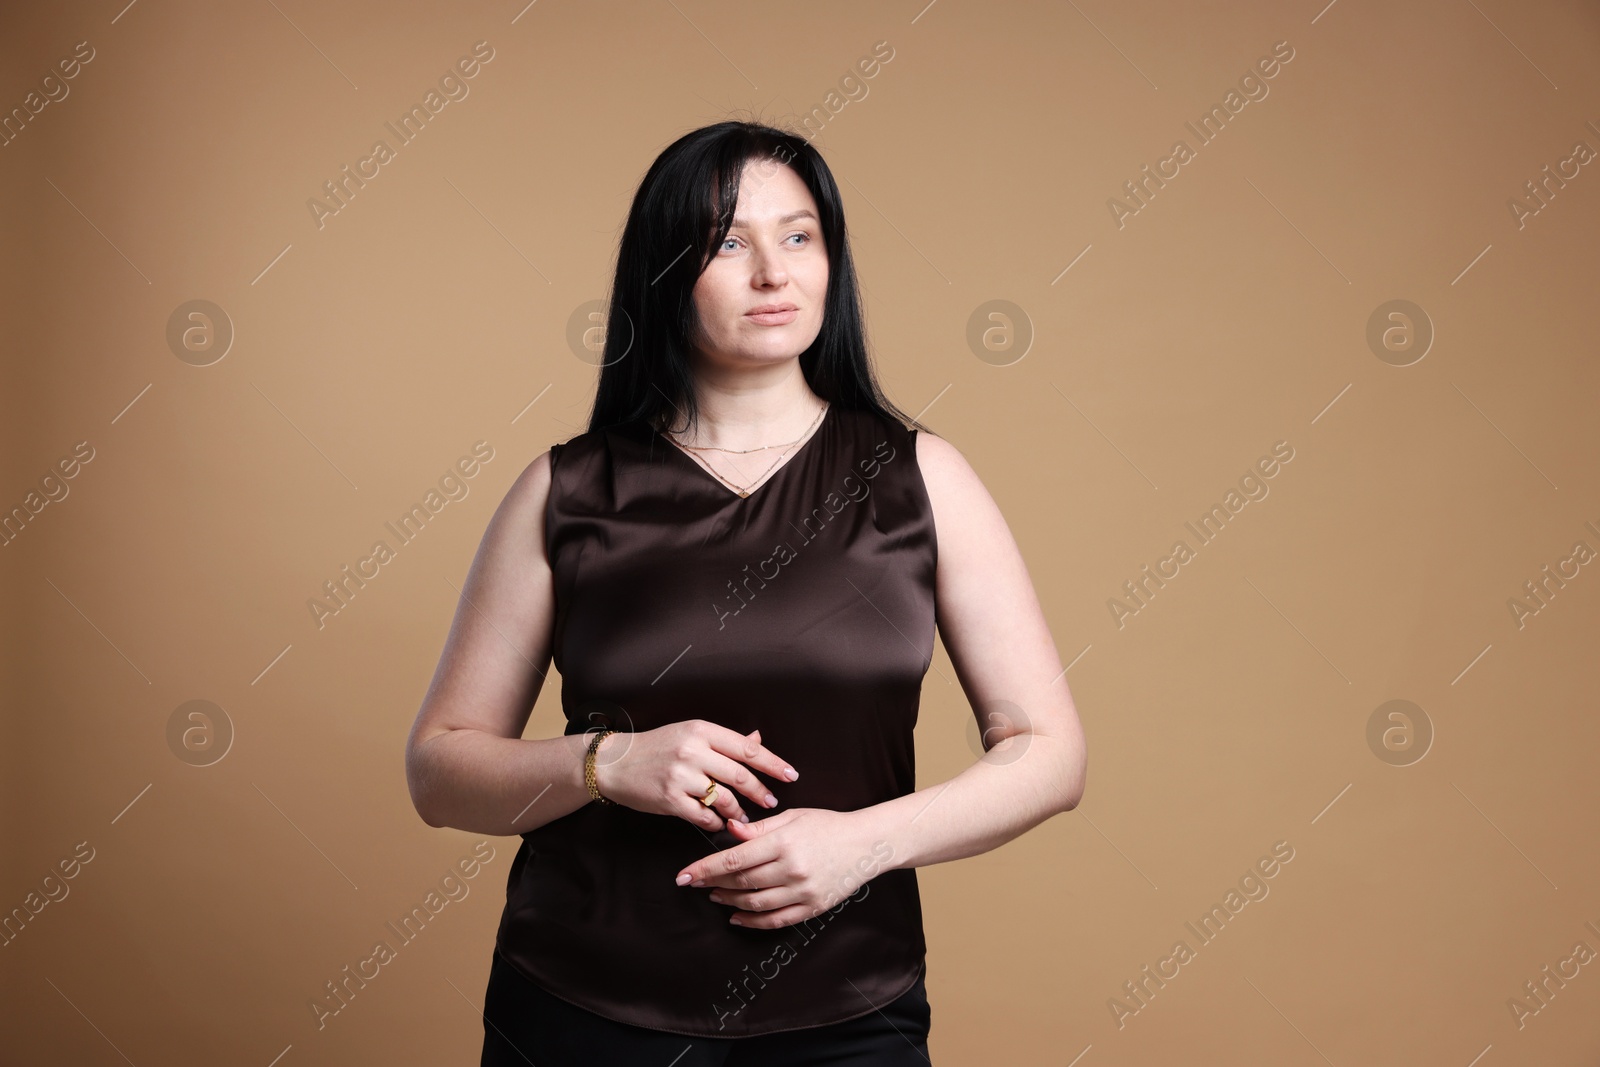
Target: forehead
{"type": "Point", "coordinates": [769, 190]}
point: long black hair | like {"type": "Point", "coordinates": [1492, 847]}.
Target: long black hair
{"type": "Point", "coordinates": [681, 213]}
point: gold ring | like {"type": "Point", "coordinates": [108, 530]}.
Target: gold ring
{"type": "Point", "coordinates": [710, 797]}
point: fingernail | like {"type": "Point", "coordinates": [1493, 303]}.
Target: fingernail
{"type": "Point", "coordinates": [790, 773]}
{"type": "Point", "coordinates": [743, 817]}
{"type": "Point", "coordinates": [683, 879]}
{"type": "Point", "coordinates": [736, 921]}
{"type": "Point", "coordinates": [772, 801]}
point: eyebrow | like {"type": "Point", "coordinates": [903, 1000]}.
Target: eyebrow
{"type": "Point", "coordinates": [801, 214]}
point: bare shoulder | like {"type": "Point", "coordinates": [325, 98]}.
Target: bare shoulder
{"type": "Point", "coordinates": [962, 504]}
{"type": "Point", "coordinates": [941, 461]}
{"type": "Point", "coordinates": [524, 503]}
{"type": "Point", "coordinates": [533, 484]}
{"type": "Point", "coordinates": [979, 561]}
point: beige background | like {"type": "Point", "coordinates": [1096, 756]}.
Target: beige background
{"type": "Point", "coordinates": [1231, 312]}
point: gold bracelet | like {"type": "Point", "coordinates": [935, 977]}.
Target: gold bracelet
{"type": "Point", "coordinates": [588, 765]}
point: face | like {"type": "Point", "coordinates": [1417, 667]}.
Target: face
{"type": "Point", "coordinates": [773, 256]}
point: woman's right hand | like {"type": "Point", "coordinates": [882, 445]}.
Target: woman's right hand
{"type": "Point", "coordinates": [665, 771]}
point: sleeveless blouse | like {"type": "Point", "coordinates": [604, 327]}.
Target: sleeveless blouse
{"type": "Point", "coordinates": [805, 610]}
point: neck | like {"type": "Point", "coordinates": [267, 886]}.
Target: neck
{"type": "Point", "coordinates": [735, 418]}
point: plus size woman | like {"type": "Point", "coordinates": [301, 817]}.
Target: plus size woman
{"type": "Point", "coordinates": [738, 570]}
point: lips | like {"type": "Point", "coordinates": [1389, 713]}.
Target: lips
{"type": "Point", "coordinates": [773, 314]}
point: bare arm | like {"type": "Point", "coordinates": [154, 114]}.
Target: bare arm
{"type": "Point", "coordinates": [992, 626]}
{"type": "Point", "coordinates": [467, 765]}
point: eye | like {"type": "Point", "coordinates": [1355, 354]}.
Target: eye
{"type": "Point", "coordinates": [805, 237]}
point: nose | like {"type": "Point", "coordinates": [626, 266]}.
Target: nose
{"type": "Point", "coordinates": [768, 267]}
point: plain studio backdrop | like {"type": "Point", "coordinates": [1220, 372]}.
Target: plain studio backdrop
{"type": "Point", "coordinates": [1305, 289]}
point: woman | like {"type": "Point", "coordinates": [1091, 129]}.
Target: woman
{"type": "Point", "coordinates": [738, 570]}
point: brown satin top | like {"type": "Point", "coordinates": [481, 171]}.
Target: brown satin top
{"type": "Point", "coordinates": [806, 610]}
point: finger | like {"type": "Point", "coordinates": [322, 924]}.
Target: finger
{"type": "Point", "coordinates": [724, 812]}
{"type": "Point", "coordinates": [749, 749]}
{"type": "Point", "coordinates": [763, 876]}
{"type": "Point", "coordinates": [736, 776]}
{"type": "Point", "coordinates": [761, 827]}
{"type": "Point", "coordinates": [692, 811]}
{"type": "Point", "coordinates": [724, 801]}
{"type": "Point", "coordinates": [729, 861]}
{"type": "Point", "coordinates": [766, 899]}
{"type": "Point", "coordinates": [751, 830]}
{"type": "Point", "coordinates": [771, 920]}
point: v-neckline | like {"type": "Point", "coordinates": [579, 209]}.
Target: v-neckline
{"type": "Point", "coordinates": [793, 458]}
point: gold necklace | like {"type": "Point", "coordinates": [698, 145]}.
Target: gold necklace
{"type": "Point", "coordinates": [745, 490]}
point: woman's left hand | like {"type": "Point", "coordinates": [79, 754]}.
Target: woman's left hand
{"type": "Point", "coordinates": [791, 866]}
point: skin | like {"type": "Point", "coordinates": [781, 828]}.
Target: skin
{"type": "Point", "coordinates": [748, 383]}
{"type": "Point", "coordinates": [468, 766]}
